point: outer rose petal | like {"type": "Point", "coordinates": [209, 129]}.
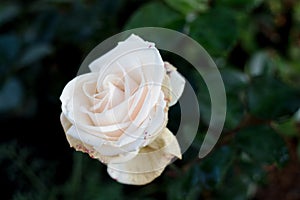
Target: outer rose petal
{"type": "Point", "coordinates": [177, 83]}
{"type": "Point", "coordinates": [132, 44]}
{"type": "Point", "coordinates": [149, 163]}
{"type": "Point", "coordinates": [79, 145]}
{"type": "Point", "coordinates": [66, 124]}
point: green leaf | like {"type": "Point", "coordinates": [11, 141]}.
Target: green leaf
{"type": "Point", "coordinates": [237, 186]}
{"type": "Point", "coordinates": [11, 95]}
{"type": "Point", "coordinates": [289, 69]}
{"type": "Point", "coordinates": [8, 12]}
{"type": "Point", "coordinates": [153, 14]}
{"type": "Point", "coordinates": [10, 45]}
{"type": "Point", "coordinates": [288, 127]}
{"type": "Point", "coordinates": [260, 64]}
{"type": "Point", "coordinates": [215, 166]}
{"type": "Point", "coordinates": [233, 79]}
{"type": "Point", "coordinates": [262, 144]}
{"type": "Point", "coordinates": [235, 111]}
{"type": "Point", "coordinates": [188, 6]}
{"type": "Point", "coordinates": [215, 30]}
{"type": "Point", "coordinates": [269, 98]}
{"type": "Point", "coordinates": [235, 83]}
{"type": "Point", "coordinates": [35, 53]}
{"type": "Point", "coordinates": [175, 190]}
{"type": "Point", "coordinates": [255, 172]}
{"type": "Point", "coordinates": [242, 5]}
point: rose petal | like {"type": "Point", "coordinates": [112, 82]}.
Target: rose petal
{"type": "Point", "coordinates": [105, 155]}
{"type": "Point", "coordinates": [130, 85]}
{"type": "Point", "coordinates": [177, 83]}
{"type": "Point", "coordinates": [77, 144]}
{"type": "Point", "coordinates": [132, 44]}
{"type": "Point", "coordinates": [85, 137]}
{"type": "Point", "coordinates": [71, 106]}
{"type": "Point", "coordinates": [138, 58]}
{"type": "Point", "coordinates": [149, 129]}
{"type": "Point", "coordinates": [66, 124]}
{"type": "Point", "coordinates": [149, 163]}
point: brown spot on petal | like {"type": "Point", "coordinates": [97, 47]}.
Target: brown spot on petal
{"type": "Point", "coordinates": [167, 99]}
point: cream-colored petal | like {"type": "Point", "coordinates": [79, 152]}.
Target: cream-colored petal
{"type": "Point", "coordinates": [136, 58]}
{"type": "Point", "coordinates": [66, 124]}
{"type": "Point", "coordinates": [75, 143]}
{"type": "Point", "coordinates": [97, 152]}
{"type": "Point", "coordinates": [149, 163]}
{"type": "Point", "coordinates": [149, 129]}
{"type": "Point", "coordinates": [132, 44]}
{"type": "Point", "coordinates": [177, 83]}
{"type": "Point", "coordinates": [78, 145]}
{"type": "Point", "coordinates": [73, 98]}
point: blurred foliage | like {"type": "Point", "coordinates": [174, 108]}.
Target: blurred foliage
{"type": "Point", "coordinates": [255, 44]}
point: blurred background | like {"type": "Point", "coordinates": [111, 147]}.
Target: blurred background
{"type": "Point", "coordinates": [255, 44]}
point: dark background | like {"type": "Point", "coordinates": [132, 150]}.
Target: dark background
{"type": "Point", "coordinates": [255, 44]}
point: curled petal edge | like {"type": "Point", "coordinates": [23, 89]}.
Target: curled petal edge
{"type": "Point", "coordinates": [176, 83]}
{"type": "Point", "coordinates": [78, 145]}
{"type": "Point", "coordinates": [149, 163]}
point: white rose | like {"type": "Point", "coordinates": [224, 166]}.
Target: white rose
{"type": "Point", "coordinates": [118, 112]}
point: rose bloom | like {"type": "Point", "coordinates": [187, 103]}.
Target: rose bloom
{"type": "Point", "coordinates": [118, 112]}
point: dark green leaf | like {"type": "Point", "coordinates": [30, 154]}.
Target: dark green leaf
{"type": "Point", "coordinates": [188, 6]}
{"type": "Point", "coordinates": [259, 64]}
{"type": "Point", "coordinates": [242, 5]}
{"type": "Point", "coordinates": [269, 98]}
{"type": "Point", "coordinates": [262, 144]}
{"type": "Point", "coordinates": [35, 53]}
{"type": "Point", "coordinates": [288, 127]}
{"type": "Point", "coordinates": [215, 30]}
{"type": "Point", "coordinates": [214, 167]}
{"type": "Point", "coordinates": [11, 95]}
{"type": "Point", "coordinates": [251, 169]}
{"type": "Point", "coordinates": [237, 186]}
{"type": "Point", "coordinates": [153, 14]}
{"type": "Point", "coordinates": [235, 83]}
{"type": "Point", "coordinates": [188, 186]}
{"type": "Point", "coordinates": [10, 45]}
{"type": "Point", "coordinates": [8, 12]}
{"type": "Point", "coordinates": [233, 79]}
{"type": "Point", "coordinates": [235, 111]}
